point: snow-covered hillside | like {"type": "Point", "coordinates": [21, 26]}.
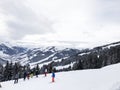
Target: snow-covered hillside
{"type": "Point", "coordinates": [107, 78]}
{"type": "Point", "coordinates": [35, 55]}
{"type": "Point", "coordinates": [61, 56]}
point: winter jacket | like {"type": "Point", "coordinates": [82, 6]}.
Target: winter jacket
{"type": "Point", "coordinates": [53, 74]}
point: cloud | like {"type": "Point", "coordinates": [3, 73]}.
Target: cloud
{"type": "Point", "coordinates": [87, 22]}
{"type": "Point", "coordinates": [21, 20]}
{"type": "Point", "coordinates": [108, 11]}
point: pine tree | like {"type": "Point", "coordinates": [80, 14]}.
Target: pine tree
{"type": "Point", "coordinates": [6, 72]}
{"type": "Point", "coordinates": [1, 72]}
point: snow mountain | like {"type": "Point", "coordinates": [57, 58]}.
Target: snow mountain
{"type": "Point", "coordinates": [64, 59]}
{"type": "Point", "coordinates": [97, 57]}
{"type": "Point", "coordinates": [7, 52]}
{"type": "Point", "coordinates": [33, 56]}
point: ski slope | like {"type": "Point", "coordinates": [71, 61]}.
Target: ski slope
{"type": "Point", "coordinates": [107, 78]}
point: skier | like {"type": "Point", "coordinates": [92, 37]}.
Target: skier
{"type": "Point", "coordinates": [0, 85]}
{"type": "Point", "coordinates": [24, 76]}
{"type": "Point", "coordinates": [37, 70]}
{"type": "Point", "coordinates": [53, 76]}
{"type": "Point", "coordinates": [45, 72]}
{"type": "Point", "coordinates": [28, 75]}
{"type": "Point", "coordinates": [16, 78]}
{"type": "Point", "coordinates": [31, 74]}
{"type": "Point", "coordinates": [36, 73]}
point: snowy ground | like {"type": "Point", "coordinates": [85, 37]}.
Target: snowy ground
{"type": "Point", "coordinates": [107, 78]}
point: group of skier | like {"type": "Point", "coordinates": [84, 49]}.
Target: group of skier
{"type": "Point", "coordinates": [30, 74]}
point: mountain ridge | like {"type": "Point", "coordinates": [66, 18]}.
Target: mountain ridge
{"type": "Point", "coordinates": [61, 56]}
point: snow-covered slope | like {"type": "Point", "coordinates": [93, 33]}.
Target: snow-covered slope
{"type": "Point", "coordinates": [107, 78]}
{"type": "Point", "coordinates": [33, 56]}
{"type": "Point", "coordinates": [7, 51]}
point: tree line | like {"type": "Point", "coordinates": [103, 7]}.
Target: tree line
{"type": "Point", "coordinates": [9, 71]}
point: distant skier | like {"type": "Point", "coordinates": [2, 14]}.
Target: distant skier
{"type": "Point", "coordinates": [46, 71]}
{"type": "Point", "coordinates": [25, 75]}
{"type": "Point", "coordinates": [53, 76]}
{"type": "Point", "coordinates": [37, 70]}
{"type": "Point", "coordinates": [36, 73]}
{"type": "Point", "coordinates": [31, 74]}
{"type": "Point", "coordinates": [28, 75]}
{"type": "Point", "coordinates": [0, 85]}
{"type": "Point", "coordinates": [16, 78]}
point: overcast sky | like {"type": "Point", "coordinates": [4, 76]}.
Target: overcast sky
{"type": "Point", "coordinates": [81, 23]}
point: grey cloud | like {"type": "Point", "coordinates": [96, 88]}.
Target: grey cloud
{"type": "Point", "coordinates": [108, 11]}
{"type": "Point", "coordinates": [24, 21]}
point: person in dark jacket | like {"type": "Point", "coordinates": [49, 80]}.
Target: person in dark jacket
{"type": "Point", "coordinates": [53, 76]}
{"type": "Point", "coordinates": [25, 75]}
{"type": "Point", "coordinates": [0, 85]}
{"type": "Point", "coordinates": [36, 73]}
{"type": "Point", "coordinates": [16, 78]}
